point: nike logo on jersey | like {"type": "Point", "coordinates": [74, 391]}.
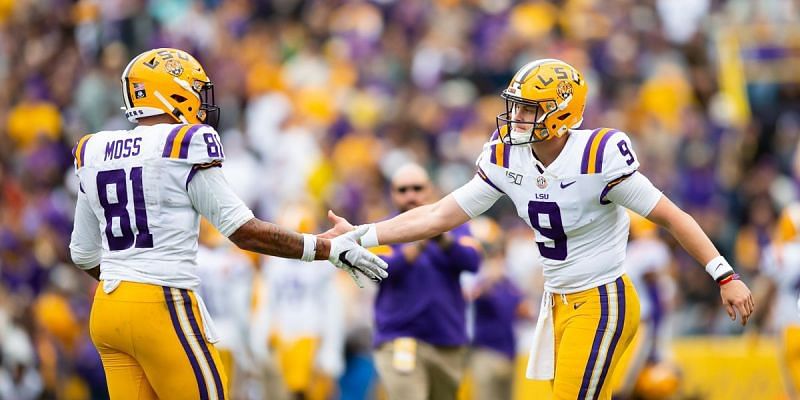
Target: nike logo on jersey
{"type": "Point", "coordinates": [566, 185]}
{"type": "Point", "coordinates": [577, 304]}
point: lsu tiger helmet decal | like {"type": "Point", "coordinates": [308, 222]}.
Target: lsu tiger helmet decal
{"type": "Point", "coordinates": [551, 93]}
{"type": "Point", "coordinates": [169, 81]}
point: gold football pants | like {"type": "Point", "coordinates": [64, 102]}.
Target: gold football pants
{"type": "Point", "coordinates": [592, 330]}
{"type": "Point", "coordinates": [791, 357]}
{"type": "Point", "coordinates": [150, 339]}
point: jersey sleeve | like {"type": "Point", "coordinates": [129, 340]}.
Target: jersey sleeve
{"type": "Point", "coordinates": [476, 196]}
{"type": "Point", "coordinates": [480, 193]}
{"type": "Point", "coordinates": [618, 158]}
{"type": "Point", "coordinates": [194, 144]}
{"type": "Point", "coordinates": [213, 198]}
{"type": "Point", "coordinates": [85, 242]}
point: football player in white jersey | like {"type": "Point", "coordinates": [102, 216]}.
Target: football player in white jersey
{"type": "Point", "coordinates": [780, 265]}
{"type": "Point", "coordinates": [571, 187]}
{"type": "Point", "coordinates": [142, 192]}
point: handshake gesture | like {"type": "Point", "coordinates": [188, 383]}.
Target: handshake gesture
{"type": "Point", "coordinates": [347, 254]}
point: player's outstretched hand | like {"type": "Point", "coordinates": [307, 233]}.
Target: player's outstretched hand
{"type": "Point", "coordinates": [340, 226]}
{"type": "Point", "coordinates": [348, 255]}
{"type": "Point", "coordinates": [736, 297]}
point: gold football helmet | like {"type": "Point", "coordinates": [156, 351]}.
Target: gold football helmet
{"type": "Point", "coordinates": [553, 92]}
{"type": "Point", "coordinates": [169, 81]}
{"type": "Point", "coordinates": [658, 381]}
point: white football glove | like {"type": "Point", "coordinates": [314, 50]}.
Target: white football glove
{"type": "Point", "coordinates": [348, 255]}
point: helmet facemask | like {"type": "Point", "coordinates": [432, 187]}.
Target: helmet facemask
{"type": "Point", "coordinates": [536, 131]}
{"type": "Point", "coordinates": [209, 110]}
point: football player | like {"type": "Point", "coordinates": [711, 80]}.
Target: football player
{"type": "Point", "coordinates": [142, 192]}
{"type": "Point", "coordinates": [647, 263]}
{"type": "Point", "coordinates": [571, 187]}
{"type": "Point", "coordinates": [780, 265]}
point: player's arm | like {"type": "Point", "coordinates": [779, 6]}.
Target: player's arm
{"type": "Point", "coordinates": [688, 233]}
{"type": "Point", "coordinates": [427, 221]}
{"type": "Point", "coordinates": [213, 198]}
{"type": "Point", "coordinates": [631, 189]}
{"type": "Point", "coordinates": [84, 246]}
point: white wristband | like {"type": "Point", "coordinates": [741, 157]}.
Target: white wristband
{"type": "Point", "coordinates": [718, 266]}
{"type": "Point", "coordinates": [370, 239]}
{"type": "Point", "coordinates": [309, 247]}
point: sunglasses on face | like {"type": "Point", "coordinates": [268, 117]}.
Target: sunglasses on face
{"type": "Point", "coordinates": [411, 188]}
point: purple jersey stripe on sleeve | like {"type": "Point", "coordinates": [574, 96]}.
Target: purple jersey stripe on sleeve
{"type": "Point", "coordinates": [506, 154]}
{"type": "Point", "coordinates": [610, 186]}
{"type": "Point", "coordinates": [170, 139]}
{"type": "Point", "coordinates": [196, 168]}
{"type": "Point", "coordinates": [598, 162]}
{"type": "Point", "coordinates": [587, 150]}
{"type": "Point", "coordinates": [486, 179]}
{"type": "Point", "coordinates": [187, 139]}
{"type": "Point", "coordinates": [493, 154]}
{"type": "Point", "coordinates": [194, 171]}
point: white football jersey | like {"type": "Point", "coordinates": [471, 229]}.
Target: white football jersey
{"type": "Point", "coordinates": [136, 183]}
{"type": "Point", "coordinates": [581, 235]}
{"type": "Point", "coordinates": [648, 256]}
{"type": "Point", "coordinates": [782, 265]}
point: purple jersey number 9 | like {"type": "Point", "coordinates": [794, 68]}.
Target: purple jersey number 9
{"type": "Point", "coordinates": [555, 231]}
{"type": "Point", "coordinates": [119, 209]}
{"type": "Point", "coordinates": [625, 151]}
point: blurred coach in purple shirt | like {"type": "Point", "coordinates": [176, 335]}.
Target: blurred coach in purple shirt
{"type": "Point", "coordinates": [420, 332]}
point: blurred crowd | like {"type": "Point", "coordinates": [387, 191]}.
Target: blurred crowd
{"type": "Point", "coordinates": [322, 100]}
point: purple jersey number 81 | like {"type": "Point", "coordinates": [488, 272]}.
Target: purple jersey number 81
{"type": "Point", "coordinates": [119, 209]}
{"type": "Point", "coordinates": [214, 146]}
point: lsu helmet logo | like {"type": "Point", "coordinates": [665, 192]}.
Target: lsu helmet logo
{"type": "Point", "coordinates": [564, 90]}
{"type": "Point", "coordinates": [174, 67]}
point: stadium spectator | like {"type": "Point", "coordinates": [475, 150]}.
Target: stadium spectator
{"type": "Point", "coordinates": [420, 332]}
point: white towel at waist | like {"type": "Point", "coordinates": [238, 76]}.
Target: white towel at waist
{"type": "Point", "coordinates": [541, 361]}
